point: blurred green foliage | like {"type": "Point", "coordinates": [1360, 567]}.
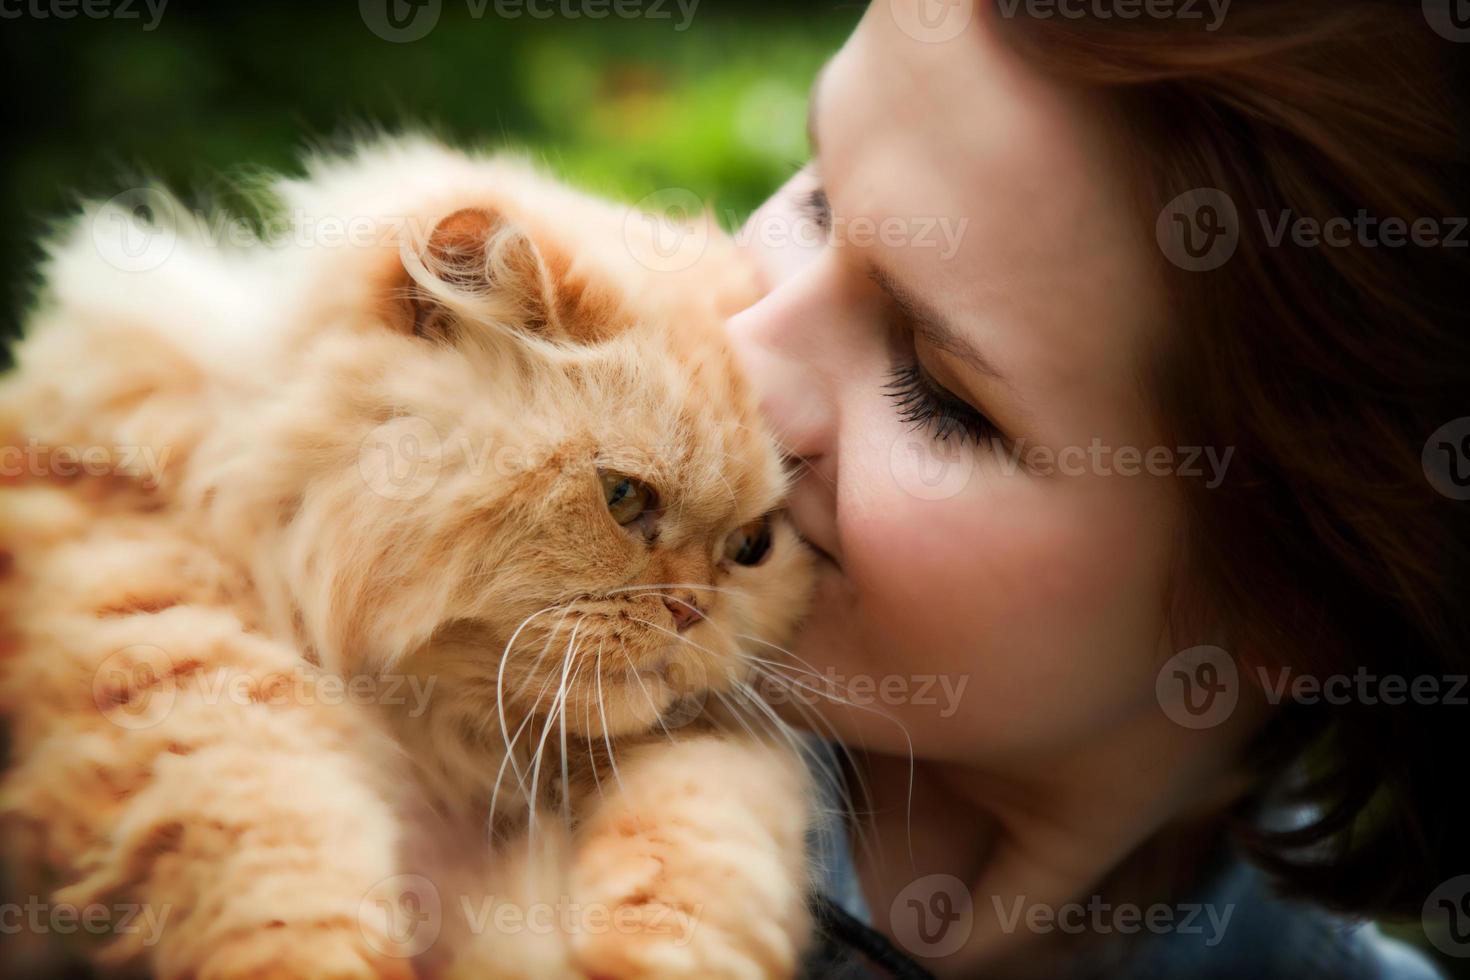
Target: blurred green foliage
{"type": "Point", "coordinates": [624, 106]}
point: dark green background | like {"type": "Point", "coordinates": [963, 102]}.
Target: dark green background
{"type": "Point", "coordinates": [621, 105]}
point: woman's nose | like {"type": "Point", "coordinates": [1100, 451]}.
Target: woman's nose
{"type": "Point", "coordinates": [791, 379]}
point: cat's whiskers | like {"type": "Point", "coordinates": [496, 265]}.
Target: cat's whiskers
{"type": "Point", "coordinates": [557, 704]}
{"type": "Point", "coordinates": [756, 665]}
{"type": "Point", "coordinates": [567, 609]}
{"type": "Point", "coordinates": [653, 705]}
{"type": "Point", "coordinates": [825, 751]}
{"type": "Point", "coordinates": [823, 724]}
{"type": "Point", "coordinates": [804, 672]}
{"type": "Point", "coordinates": [566, 783]}
{"type": "Point", "coordinates": [500, 696]}
{"type": "Point", "coordinates": [821, 754]}
{"type": "Point", "coordinates": [510, 752]}
{"type": "Point", "coordinates": [807, 664]}
{"type": "Point", "coordinates": [811, 713]}
{"type": "Point", "coordinates": [602, 711]}
{"type": "Point", "coordinates": [656, 586]}
{"type": "Point", "coordinates": [833, 738]}
{"type": "Point", "coordinates": [800, 745]}
{"type": "Point", "coordinates": [587, 729]}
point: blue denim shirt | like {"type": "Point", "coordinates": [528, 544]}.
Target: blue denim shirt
{"type": "Point", "coordinates": [1265, 938]}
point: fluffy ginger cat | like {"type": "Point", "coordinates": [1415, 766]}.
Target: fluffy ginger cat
{"type": "Point", "coordinates": [412, 576]}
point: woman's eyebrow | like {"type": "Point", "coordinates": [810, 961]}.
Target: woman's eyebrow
{"type": "Point", "coordinates": [933, 327]}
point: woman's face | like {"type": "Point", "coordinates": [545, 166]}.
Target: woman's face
{"type": "Point", "coordinates": [984, 302]}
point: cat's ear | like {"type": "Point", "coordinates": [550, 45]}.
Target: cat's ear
{"type": "Point", "coordinates": [476, 266]}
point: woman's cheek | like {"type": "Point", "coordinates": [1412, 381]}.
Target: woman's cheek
{"type": "Point", "coordinates": [996, 588]}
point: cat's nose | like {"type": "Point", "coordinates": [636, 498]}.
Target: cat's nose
{"type": "Point", "coordinates": [684, 609]}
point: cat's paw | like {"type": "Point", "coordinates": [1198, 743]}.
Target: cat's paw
{"type": "Point", "coordinates": [655, 941]}
{"type": "Point", "coordinates": [639, 919]}
{"type": "Point", "coordinates": [325, 952]}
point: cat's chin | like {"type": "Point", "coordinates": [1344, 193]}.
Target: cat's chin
{"type": "Point", "coordinates": [637, 701]}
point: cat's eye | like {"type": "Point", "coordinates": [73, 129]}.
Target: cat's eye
{"type": "Point", "coordinates": [750, 543]}
{"type": "Point", "coordinates": [627, 498]}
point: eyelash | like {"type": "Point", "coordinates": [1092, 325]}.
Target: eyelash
{"type": "Point", "coordinates": [815, 206]}
{"type": "Point", "coordinates": [924, 403]}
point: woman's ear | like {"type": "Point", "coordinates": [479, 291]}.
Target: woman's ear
{"type": "Point", "coordinates": [475, 266]}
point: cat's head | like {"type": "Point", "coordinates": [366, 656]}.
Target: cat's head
{"type": "Point", "coordinates": [507, 454]}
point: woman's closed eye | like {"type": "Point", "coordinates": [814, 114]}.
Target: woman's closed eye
{"type": "Point", "coordinates": [924, 403]}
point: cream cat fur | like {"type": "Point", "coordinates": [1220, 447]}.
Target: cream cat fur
{"type": "Point", "coordinates": [387, 459]}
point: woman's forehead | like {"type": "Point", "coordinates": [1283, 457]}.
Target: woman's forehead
{"type": "Point", "coordinates": [1012, 199]}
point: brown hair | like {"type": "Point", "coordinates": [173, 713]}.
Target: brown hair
{"type": "Point", "coordinates": [1327, 368]}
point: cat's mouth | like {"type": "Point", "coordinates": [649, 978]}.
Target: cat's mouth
{"type": "Point", "coordinates": [612, 668]}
